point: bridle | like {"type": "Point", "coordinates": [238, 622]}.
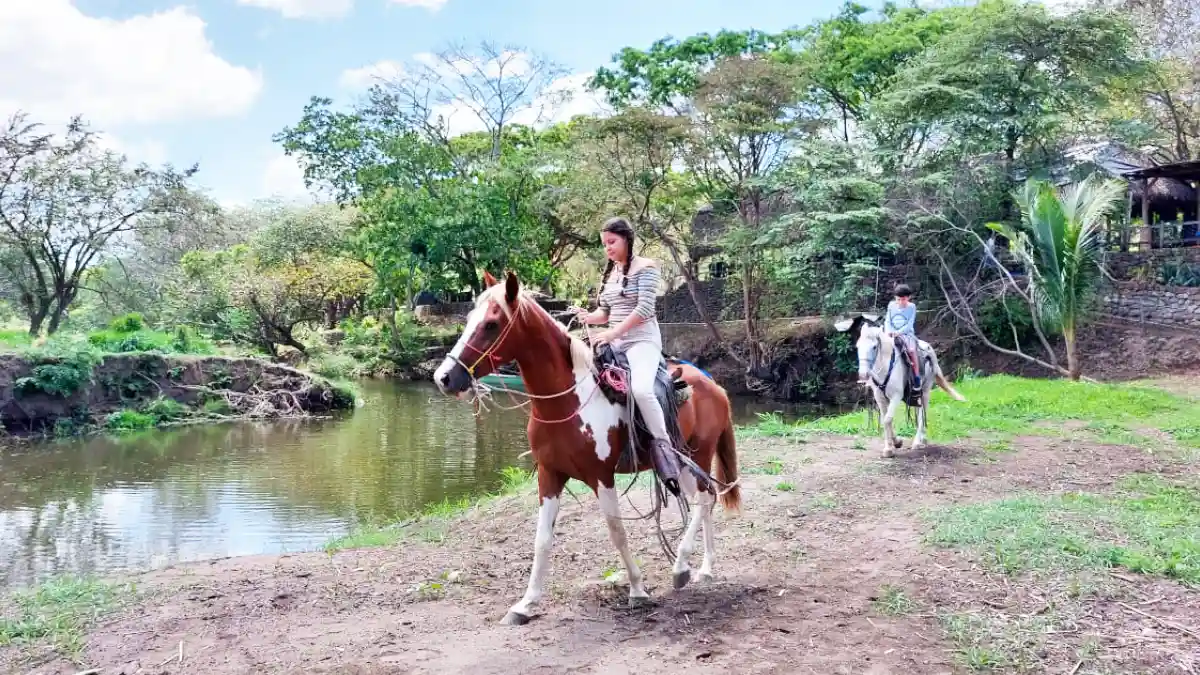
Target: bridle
{"type": "Point", "coordinates": [872, 369]}
{"type": "Point", "coordinates": [489, 354]}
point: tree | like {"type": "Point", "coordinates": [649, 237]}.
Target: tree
{"type": "Point", "coordinates": [1163, 103]}
{"type": "Point", "coordinates": [748, 116]}
{"type": "Point", "coordinates": [670, 71]}
{"type": "Point", "coordinates": [1059, 244]}
{"type": "Point", "coordinates": [297, 270]}
{"type": "Point", "coordinates": [64, 203]}
{"type": "Point", "coordinates": [1010, 79]}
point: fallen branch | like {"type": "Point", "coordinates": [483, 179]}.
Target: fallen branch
{"type": "Point", "coordinates": [1164, 622]}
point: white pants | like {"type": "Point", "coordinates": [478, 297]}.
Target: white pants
{"type": "Point", "coordinates": [643, 366]}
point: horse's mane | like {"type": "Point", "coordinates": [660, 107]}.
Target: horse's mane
{"type": "Point", "coordinates": [580, 355]}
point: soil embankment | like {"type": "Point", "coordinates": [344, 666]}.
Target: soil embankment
{"type": "Point", "coordinates": [979, 555]}
{"type": "Point", "coordinates": [61, 394]}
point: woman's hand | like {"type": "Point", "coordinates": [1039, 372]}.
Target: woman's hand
{"type": "Point", "coordinates": [603, 337]}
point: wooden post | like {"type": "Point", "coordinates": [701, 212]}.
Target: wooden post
{"type": "Point", "coordinates": [1146, 235]}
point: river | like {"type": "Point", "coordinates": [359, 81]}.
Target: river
{"type": "Point", "coordinates": [108, 504]}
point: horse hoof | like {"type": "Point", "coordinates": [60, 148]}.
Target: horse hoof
{"type": "Point", "coordinates": [639, 601]}
{"type": "Point", "coordinates": [888, 454]}
{"type": "Point", "coordinates": [514, 619]}
{"type": "Point", "coordinates": [704, 578]}
{"type": "Point", "coordinates": [897, 443]}
{"type": "Point", "coordinates": [682, 579]}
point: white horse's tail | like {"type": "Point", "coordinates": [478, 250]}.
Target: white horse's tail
{"type": "Point", "coordinates": [943, 382]}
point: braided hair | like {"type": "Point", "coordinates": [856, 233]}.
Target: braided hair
{"type": "Point", "coordinates": [622, 228]}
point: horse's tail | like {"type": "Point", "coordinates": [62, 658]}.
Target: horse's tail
{"type": "Point", "coordinates": [942, 382]}
{"type": "Point", "coordinates": [727, 469]}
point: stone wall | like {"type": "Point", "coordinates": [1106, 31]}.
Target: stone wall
{"type": "Point", "coordinates": [677, 305]}
{"type": "Point", "coordinates": [1146, 264]}
{"type": "Point", "coordinates": [1171, 305]}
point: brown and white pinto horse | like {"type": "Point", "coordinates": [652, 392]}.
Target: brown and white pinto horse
{"type": "Point", "coordinates": [575, 432]}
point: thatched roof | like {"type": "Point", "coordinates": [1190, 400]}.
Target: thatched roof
{"type": "Point", "coordinates": [1129, 165]}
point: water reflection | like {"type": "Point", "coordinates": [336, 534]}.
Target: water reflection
{"type": "Point", "coordinates": [146, 500]}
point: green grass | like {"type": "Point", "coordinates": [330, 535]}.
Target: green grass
{"type": "Point", "coordinates": [59, 611]}
{"type": "Point", "coordinates": [432, 523]}
{"type": "Point", "coordinates": [1005, 406]}
{"type": "Point", "coordinates": [893, 601]}
{"type": "Point", "coordinates": [1147, 526]}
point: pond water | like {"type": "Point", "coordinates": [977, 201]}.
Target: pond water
{"type": "Point", "coordinates": [108, 504]}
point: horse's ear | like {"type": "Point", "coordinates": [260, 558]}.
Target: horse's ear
{"type": "Point", "coordinates": [488, 279]}
{"type": "Point", "coordinates": [511, 288]}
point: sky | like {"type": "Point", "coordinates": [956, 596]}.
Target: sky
{"type": "Point", "coordinates": [210, 81]}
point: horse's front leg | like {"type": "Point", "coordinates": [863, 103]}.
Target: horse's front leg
{"type": "Point", "coordinates": [550, 485]}
{"type": "Point", "coordinates": [610, 506]}
{"type": "Point", "coordinates": [881, 404]}
{"type": "Point", "coordinates": [890, 440]}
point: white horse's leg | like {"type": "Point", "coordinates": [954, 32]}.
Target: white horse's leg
{"type": "Point", "coordinates": [706, 501]}
{"type": "Point", "coordinates": [890, 441]}
{"type": "Point", "coordinates": [919, 440]}
{"type": "Point", "coordinates": [881, 405]}
{"type": "Point", "coordinates": [682, 572]}
{"type": "Point", "coordinates": [611, 507]}
{"type": "Point", "coordinates": [518, 614]}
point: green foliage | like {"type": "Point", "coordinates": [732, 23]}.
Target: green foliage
{"type": "Point", "coordinates": [1179, 273]}
{"type": "Point", "coordinates": [129, 420]}
{"type": "Point", "coordinates": [999, 317]}
{"type": "Point", "coordinates": [129, 323]}
{"type": "Point", "coordinates": [58, 370]}
{"type": "Point", "coordinates": [1010, 77]}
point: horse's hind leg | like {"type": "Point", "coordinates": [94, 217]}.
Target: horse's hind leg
{"type": "Point", "coordinates": [706, 502]}
{"type": "Point", "coordinates": [682, 573]}
{"type": "Point", "coordinates": [611, 507]}
{"type": "Point", "coordinates": [550, 485]}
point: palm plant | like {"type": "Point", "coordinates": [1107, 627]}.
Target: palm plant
{"type": "Point", "coordinates": [1059, 243]}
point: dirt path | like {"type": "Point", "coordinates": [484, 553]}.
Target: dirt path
{"type": "Point", "coordinates": [826, 571]}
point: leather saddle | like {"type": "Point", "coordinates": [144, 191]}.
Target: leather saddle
{"type": "Point", "coordinates": [671, 391]}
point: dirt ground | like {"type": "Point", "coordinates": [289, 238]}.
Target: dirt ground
{"type": "Point", "coordinates": [831, 576]}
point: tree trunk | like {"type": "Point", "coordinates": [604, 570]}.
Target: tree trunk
{"type": "Point", "coordinates": [750, 311]}
{"type": "Point", "coordinates": [38, 310]}
{"type": "Point", "coordinates": [1074, 368]}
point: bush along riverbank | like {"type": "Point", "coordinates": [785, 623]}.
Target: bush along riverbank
{"type": "Point", "coordinates": [124, 380]}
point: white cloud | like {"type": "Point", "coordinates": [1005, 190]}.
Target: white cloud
{"type": "Point", "coordinates": [362, 78]}
{"type": "Point", "coordinates": [147, 68]}
{"type": "Point", "coordinates": [150, 151]}
{"type": "Point", "coordinates": [431, 5]}
{"type": "Point", "coordinates": [284, 178]}
{"type": "Point", "coordinates": [304, 9]}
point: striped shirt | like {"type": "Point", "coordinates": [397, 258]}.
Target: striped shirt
{"type": "Point", "coordinates": [639, 297]}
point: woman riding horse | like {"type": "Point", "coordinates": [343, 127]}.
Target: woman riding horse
{"type": "Point", "coordinates": [626, 304]}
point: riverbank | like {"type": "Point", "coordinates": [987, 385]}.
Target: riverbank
{"type": "Point", "coordinates": [129, 377]}
{"type": "Point", "coordinates": [1053, 529]}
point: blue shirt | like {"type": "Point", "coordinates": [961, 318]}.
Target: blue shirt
{"type": "Point", "coordinates": [901, 320]}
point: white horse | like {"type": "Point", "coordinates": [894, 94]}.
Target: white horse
{"type": "Point", "coordinates": [887, 381]}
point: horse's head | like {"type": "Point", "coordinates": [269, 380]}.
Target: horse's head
{"type": "Point", "coordinates": [488, 340]}
{"type": "Point", "coordinates": [870, 336]}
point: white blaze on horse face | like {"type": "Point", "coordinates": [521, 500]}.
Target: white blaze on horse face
{"type": "Point", "coordinates": [866, 343]}
{"type": "Point", "coordinates": [455, 355]}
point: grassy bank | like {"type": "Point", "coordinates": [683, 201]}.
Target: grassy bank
{"type": "Point", "coordinates": [128, 377]}
{"type": "Point", "coordinates": [1001, 407]}
{"type": "Point", "coordinates": [58, 612]}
